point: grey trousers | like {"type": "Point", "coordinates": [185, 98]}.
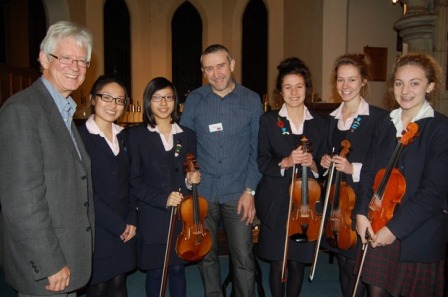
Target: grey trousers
{"type": "Point", "coordinates": [239, 236]}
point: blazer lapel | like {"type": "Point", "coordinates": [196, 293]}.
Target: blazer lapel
{"type": "Point", "coordinates": [157, 141]}
{"type": "Point", "coordinates": [85, 158]}
{"type": "Point", "coordinates": [287, 138]}
{"type": "Point", "coordinates": [56, 121]}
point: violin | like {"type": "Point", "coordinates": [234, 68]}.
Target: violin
{"type": "Point", "coordinates": [303, 222]}
{"type": "Point", "coordinates": [342, 198]}
{"type": "Point", "coordinates": [389, 184]}
{"type": "Point", "coordinates": [339, 222]}
{"type": "Point", "coordinates": [194, 242]}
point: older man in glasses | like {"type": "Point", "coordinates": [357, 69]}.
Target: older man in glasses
{"type": "Point", "coordinates": [45, 179]}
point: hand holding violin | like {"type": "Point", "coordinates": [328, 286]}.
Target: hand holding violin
{"type": "Point", "coordinates": [341, 164]}
{"type": "Point", "coordinates": [174, 199]}
{"type": "Point", "coordinates": [382, 238]}
{"type": "Point", "coordinates": [298, 156]}
{"type": "Point", "coordinates": [325, 161]}
{"type": "Point", "coordinates": [193, 177]}
{"type": "Point", "coordinates": [362, 226]}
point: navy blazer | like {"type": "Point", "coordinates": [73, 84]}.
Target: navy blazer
{"type": "Point", "coordinates": [359, 137]}
{"type": "Point", "coordinates": [419, 221]}
{"type": "Point", "coordinates": [153, 177]}
{"type": "Point", "coordinates": [273, 146]}
{"type": "Point", "coordinates": [114, 207]}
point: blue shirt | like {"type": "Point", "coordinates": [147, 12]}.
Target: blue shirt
{"type": "Point", "coordinates": [227, 137]}
{"type": "Point", "coordinates": [66, 106]}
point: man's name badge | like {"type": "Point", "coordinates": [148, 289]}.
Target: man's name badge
{"type": "Point", "coordinates": [215, 127]}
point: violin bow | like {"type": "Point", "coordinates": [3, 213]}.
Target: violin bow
{"type": "Point", "coordinates": [285, 250]}
{"type": "Point", "coordinates": [364, 253]}
{"type": "Point", "coordinates": [322, 223]}
{"type": "Point", "coordinates": [168, 250]}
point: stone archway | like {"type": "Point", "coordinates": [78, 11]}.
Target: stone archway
{"type": "Point", "coordinates": [57, 10]}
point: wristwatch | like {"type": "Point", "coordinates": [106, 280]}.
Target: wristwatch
{"type": "Point", "coordinates": [249, 191]}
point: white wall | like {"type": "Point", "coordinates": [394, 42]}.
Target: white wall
{"type": "Point", "coordinates": [370, 23]}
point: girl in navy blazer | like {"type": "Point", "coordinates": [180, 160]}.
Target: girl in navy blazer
{"type": "Point", "coordinates": [115, 214]}
{"type": "Point", "coordinates": [279, 149]}
{"type": "Point", "coordinates": [407, 255]}
{"type": "Point", "coordinates": [354, 120]}
{"type": "Point", "coordinates": [158, 149]}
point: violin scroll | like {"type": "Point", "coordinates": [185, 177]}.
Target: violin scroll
{"type": "Point", "coordinates": [190, 163]}
{"type": "Point", "coordinates": [409, 134]}
{"type": "Point", "coordinates": [346, 147]}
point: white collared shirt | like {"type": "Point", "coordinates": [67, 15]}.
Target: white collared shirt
{"type": "Point", "coordinates": [295, 130]}
{"type": "Point", "coordinates": [426, 111]}
{"type": "Point", "coordinates": [167, 144]}
{"type": "Point", "coordinates": [93, 128]}
{"type": "Point", "coordinates": [363, 109]}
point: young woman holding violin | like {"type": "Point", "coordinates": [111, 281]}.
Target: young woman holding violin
{"type": "Point", "coordinates": [354, 120]}
{"type": "Point", "coordinates": [158, 148]}
{"type": "Point", "coordinates": [406, 253]}
{"type": "Point", "coordinates": [280, 149]}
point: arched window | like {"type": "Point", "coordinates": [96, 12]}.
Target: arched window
{"type": "Point", "coordinates": [117, 41]}
{"type": "Point", "coordinates": [255, 47]}
{"type": "Point", "coordinates": [20, 37]}
{"type": "Point", "coordinates": [36, 29]}
{"type": "Point", "coordinates": [186, 27]}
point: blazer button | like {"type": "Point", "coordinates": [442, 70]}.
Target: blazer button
{"type": "Point", "coordinates": [83, 177]}
{"type": "Point", "coordinates": [86, 204]}
{"type": "Point", "coordinates": [88, 229]}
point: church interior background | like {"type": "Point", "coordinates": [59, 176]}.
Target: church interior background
{"type": "Point", "coordinates": [142, 39]}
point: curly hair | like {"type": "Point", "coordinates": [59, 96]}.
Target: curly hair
{"type": "Point", "coordinates": [294, 65]}
{"type": "Point", "coordinates": [428, 64]}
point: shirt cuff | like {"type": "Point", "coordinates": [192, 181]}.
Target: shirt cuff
{"type": "Point", "coordinates": [188, 185]}
{"type": "Point", "coordinates": [356, 172]}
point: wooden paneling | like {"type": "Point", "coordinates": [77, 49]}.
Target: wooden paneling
{"type": "Point", "coordinates": [323, 108]}
{"type": "Point", "coordinates": [14, 79]}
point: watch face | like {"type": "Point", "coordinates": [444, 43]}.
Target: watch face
{"type": "Point", "coordinates": [250, 191]}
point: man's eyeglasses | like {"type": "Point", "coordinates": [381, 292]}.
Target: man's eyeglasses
{"type": "Point", "coordinates": [158, 98]}
{"type": "Point", "coordinates": [109, 98]}
{"type": "Point", "coordinates": [69, 61]}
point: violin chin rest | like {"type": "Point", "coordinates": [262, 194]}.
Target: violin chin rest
{"type": "Point", "coordinates": [299, 238]}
